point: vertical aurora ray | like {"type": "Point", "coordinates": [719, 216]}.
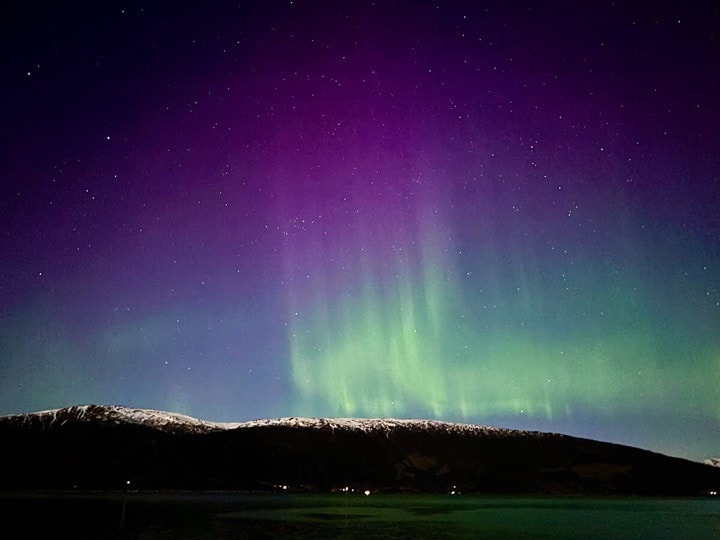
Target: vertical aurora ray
{"type": "Point", "coordinates": [369, 299]}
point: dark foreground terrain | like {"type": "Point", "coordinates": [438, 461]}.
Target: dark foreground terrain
{"type": "Point", "coordinates": [114, 448]}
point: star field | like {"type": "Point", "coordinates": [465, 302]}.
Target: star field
{"type": "Point", "coordinates": [465, 211]}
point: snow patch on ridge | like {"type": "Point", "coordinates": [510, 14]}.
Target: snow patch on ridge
{"type": "Point", "coordinates": [385, 425]}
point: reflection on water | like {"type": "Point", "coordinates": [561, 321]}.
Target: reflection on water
{"type": "Point", "coordinates": [242, 515]}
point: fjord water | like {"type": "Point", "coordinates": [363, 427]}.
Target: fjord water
{"type": "Point", "coordinates": [352, 515]}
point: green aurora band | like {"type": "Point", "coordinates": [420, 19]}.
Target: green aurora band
{"type": "Point", "coordinates": [409, 338]}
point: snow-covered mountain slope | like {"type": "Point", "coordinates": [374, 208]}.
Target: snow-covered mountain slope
{"type": "Point", "coordinates": [164, 421]}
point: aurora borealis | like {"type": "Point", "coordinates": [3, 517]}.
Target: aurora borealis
{"type": "Point", "coordinates": [469, 211]}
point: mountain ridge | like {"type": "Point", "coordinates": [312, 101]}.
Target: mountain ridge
{"type": "Point", "coordinates": [113, 447]}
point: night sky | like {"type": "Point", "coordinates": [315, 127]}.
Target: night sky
{"type": "Point", "coordinates": [502, 213]}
